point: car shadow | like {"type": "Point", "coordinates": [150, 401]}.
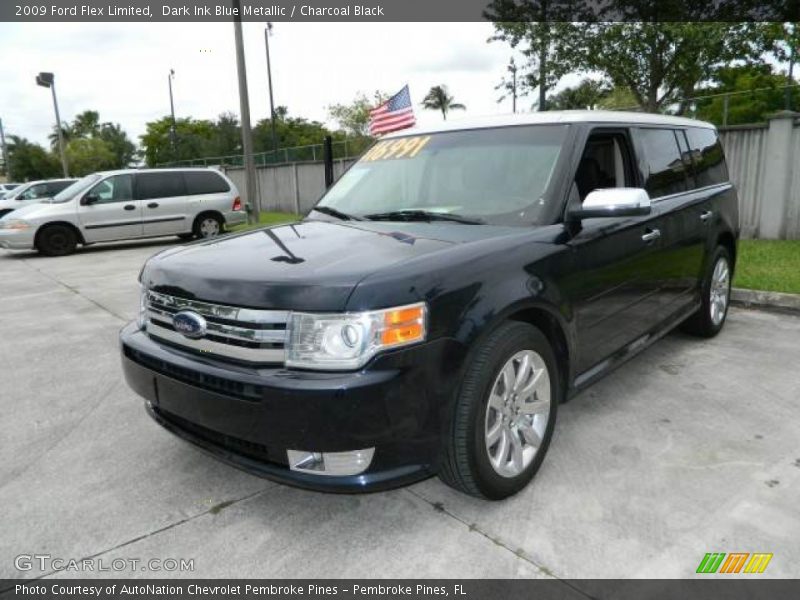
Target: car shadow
{"type": "Point", "coordinates": [101, 247]}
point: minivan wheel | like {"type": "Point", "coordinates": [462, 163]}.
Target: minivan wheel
{"type": "Point", "coordinates": [504, 414]}
{"type": "Point", "coordinates": [56, 240]}
{"type": "Point", "coordinates": [716, 295]}
{"type": "Point", "coordinates": [207, 226]}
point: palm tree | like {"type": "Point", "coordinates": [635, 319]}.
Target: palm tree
{"type": "Point", "coordinates": [439, 99]}
{"type": "Point", "coordinates": [66, 132]}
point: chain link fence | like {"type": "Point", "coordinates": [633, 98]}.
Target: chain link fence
{"type": "Point", "coordinates": [342, 149]}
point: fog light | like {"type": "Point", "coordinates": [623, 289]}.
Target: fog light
{"type": "Point", "coordinates": [351, 462]}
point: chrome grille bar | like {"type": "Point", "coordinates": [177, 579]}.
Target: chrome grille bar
{"type": "Point", "coordinates": [241, 334]}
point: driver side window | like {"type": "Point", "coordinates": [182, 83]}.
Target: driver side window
{"type": "Point", "coordinates": [118, 188]}
{"type": "Point", "coordinates": [34, 192]}
{"type": "Point", "coordinates": [605, 163]}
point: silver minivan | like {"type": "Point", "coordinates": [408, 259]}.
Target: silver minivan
{"type": "Point", "coordinates": [126, 204]}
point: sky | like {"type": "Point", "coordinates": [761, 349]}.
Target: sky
{"type": "Point", "coordinates": [121, 69]}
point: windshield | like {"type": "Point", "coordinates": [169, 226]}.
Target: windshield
{"type": "Point", "coordinates": [496, 176]}
{"type": "Point", "coordinates": [69, 192]}
{"type": "Point", "coordinates": [16, 192]}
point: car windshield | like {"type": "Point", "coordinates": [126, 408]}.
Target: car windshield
{"type": "Point", "coordinates": [496, 176]}
{"type": "Point", "coordinates": [18, 191]}
{"type": "Point", "coordinates": [69, 192]}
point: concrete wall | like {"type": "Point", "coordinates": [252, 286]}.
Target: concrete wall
{"type": "Point", "coordinates": [293, 187]}
{"type": "Point", "coordinates": [764, 163]}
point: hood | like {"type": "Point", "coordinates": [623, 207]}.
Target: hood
{"type": "Point", "coordinates": [311, 265]}
{"type": "Point", "coordinates": [34, 209]}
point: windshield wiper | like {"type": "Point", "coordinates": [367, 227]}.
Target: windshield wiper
{"type": "Point", "coordinates": [327, 210]}
{"type": "Point", "coordinates": [421, 215]}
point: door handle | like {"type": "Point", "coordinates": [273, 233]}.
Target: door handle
{"type": "Point", "coordinates": [153, 205]}
{"type": "Point", "coordinates": [705, 216]}
{"type": "Point", "coordinates": [651, 235]}
{"type": "Point", "coordinates": [130, 207]}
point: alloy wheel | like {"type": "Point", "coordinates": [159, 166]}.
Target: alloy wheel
{"type": "Point", "coordinates": [517, 413]}
{"type": "Point", "coordinates": [720, 290]}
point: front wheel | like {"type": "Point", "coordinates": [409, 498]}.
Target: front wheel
{"type": "Point", "coordinates": [504, 415]}
{"type": "Point", "coordinates": [57, 240]}
{"type": "Point", "coordinates": [716, 294]}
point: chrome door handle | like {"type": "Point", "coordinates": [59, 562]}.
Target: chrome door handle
{"type": "Point", "coordinates": [651, 235]}
{"type": "Point", "coordinates": [706, 216]}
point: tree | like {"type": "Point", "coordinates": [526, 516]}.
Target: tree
{"type": "Point", "coordinates": [118, 142]}
{"type": "Point", "coordinates": [28, 161]}
{"type": "Point", "coordinates": [193, 139]}
{"type": "Point", "coordinates": [66, 134]}
{"type": "Point", "coordinates": [586, 95]}
{"type": "Point", "coordinates": [542, 32]}
{"type": "Point", "coordinates": [766, 95]}
{"type": "Point", "coordinates": [354, 117]}
{"type": "Point", "coordinates": [87, 155]}
{"type": "Point", "coordinates": [437, 98]}
{"type": "Point", "coordinates": [86, 124]}
{"type": "Point", "coordinates": [511, 85]}
{"type": "Point", "coordinates": [662, 63]}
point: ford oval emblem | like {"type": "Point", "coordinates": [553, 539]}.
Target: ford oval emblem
{"type": "Point", "coordinates": [189, 324]}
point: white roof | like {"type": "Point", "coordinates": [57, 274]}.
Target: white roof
{"type": "Point", "coordinates": [554, 117]}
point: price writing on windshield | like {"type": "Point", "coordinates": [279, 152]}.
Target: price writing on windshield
{"type": "Point", "coordinates": [401, 148]}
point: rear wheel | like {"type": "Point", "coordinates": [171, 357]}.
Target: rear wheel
{"type": "Point", "coordinates": [208, 225]}
{"type": "Point", "coordinates": [716, 294]}
{"type": "Point", "coordinates": [57, 240]}
{"type": "Point", "coordinates": [504, 415]}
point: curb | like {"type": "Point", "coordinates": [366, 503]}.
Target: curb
{"type": "Point", "coordinates": [768, 300]}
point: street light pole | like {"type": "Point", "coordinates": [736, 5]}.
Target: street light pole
{"type": "Point", "coordinates": [172, 130]}
{"type": "Point", "coordinates": [267, 33]}
{"type": "Point", "coordinates": [244, 108]}
{"type": "Point", "coordinates": [48, 80]}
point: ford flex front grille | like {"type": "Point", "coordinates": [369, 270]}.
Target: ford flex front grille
{"type": "Point", "coordinates": [229, 332]}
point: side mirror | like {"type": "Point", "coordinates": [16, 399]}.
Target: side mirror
{"type": "Point", "coordinates": [613, 202]}
{"type": "Point", "coordinates": [90, 199]}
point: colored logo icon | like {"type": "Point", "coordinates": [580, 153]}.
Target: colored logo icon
{"type": "Point", "coordinates": [734, 562]}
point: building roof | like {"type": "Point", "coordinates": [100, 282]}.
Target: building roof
{"type": "Point", "coordinates": [554, 117]}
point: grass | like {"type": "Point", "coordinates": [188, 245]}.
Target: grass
{"type": "Point", "coordinates": [266, 218]}
{"type": "Point", "coordinates": [770, 265]}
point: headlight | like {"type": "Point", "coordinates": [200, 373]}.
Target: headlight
{"type": "Point", "coordinates": [15, 224]}
{"type": "Point", "coordinates": [348, 341]}
{"type": "Point", "coordinates": [141, 318]}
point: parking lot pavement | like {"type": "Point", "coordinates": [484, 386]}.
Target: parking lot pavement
{"type": "Point", "coordinates": [690, 448]}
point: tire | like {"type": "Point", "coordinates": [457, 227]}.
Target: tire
{"type": "Point", "coordinates": [57, 240]}
{"type": "Point", "coordinates": [716, 294]}
{"type": "Point", "coordinates": [207, 225]}
{"type": "Point", "coordinates": [474, 460]}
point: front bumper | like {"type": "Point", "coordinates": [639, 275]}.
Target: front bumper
{"type": "Point", "coordinates": [250, 417]}
{"type": "Point", "coordinates": [17, 239]}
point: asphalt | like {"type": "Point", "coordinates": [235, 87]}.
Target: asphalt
{"type": "Point", "coordinates": [691, 447]}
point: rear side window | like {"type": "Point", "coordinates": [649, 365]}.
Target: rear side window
{"type": "Point", "coordinates": [709, 159]}
{"type": "Point", "coordinates": [666, 171]}
{"type": "Point", "coordinates": [205, 182]}
{"type": "Point", "coordinates": [159, 185]}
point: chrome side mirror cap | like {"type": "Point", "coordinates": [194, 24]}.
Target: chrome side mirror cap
{"type": "Point", "coordinates": [613, 202]}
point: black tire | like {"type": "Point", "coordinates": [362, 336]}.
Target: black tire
{"type": "Point", "coordinates": [198, 228]}
{"type": "Point", "coordinates": [701, 323]}
{"type": "Point", "coordinates": [57, 240]}
{"type": "Point", "coordinates": [465, 463]}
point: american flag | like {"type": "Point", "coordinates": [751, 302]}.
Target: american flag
{"type": "Point", "coordinates": [396, 113]}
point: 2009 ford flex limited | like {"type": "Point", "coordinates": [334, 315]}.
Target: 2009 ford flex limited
{"type": "Point", "coordinates": [439, 302]}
